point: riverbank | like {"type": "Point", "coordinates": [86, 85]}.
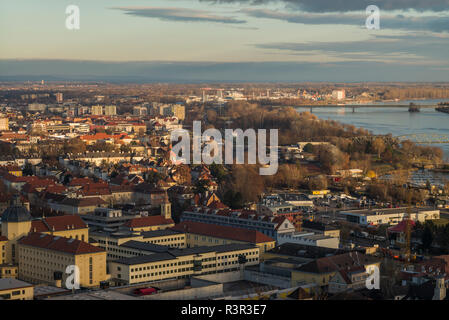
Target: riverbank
{"type": "Point", "coordinates": [442, 109]}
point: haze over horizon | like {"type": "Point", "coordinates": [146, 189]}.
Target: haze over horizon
{"type": "Point", "coordinates": [227, 40]}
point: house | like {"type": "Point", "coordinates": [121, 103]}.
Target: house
{"type": "Point", "coordinates": [68, 226]}
{"type": "Point", "coordinates": [321, 271]}
{"type": "Point", "coordinates": [78, 205]}
{"type": "Point", "coordinates": [149, 223]}
{"type": "Point", "coordinates": [204, 234]}
{"type": "Point", "coordinates": [348, 280]}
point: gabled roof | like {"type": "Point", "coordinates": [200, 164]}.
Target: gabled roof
{"type": "Point", "coordinates": [60, 244]}
{"type": "Point", "coordinates": [58, 223]}
{"type": "Point", "coordinates": [334, 263]}
{"type": "Point", "coordinates": [148, 222]}
{"type": "Point", "coordinates": [224, 232]}
{"type": "Point", "coordinates": [83, 202]}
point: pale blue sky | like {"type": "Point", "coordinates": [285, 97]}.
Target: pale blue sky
{"type": "Point", "coordinates": [287, 31]}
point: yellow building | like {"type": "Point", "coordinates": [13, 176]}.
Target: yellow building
{"type": "Point", "coordinates": [205, 234]}
{"type": "Point", "coordinates": [113, 242]}
{"type": "Point", "coordinates": [4, 124]}
{"type": "Point", "coordinates": [168, 237]}
{"type": "Point", "coordinates": [9, 271]}
{"type": "Point", "coordinates": [41, 255]}
{"type": "Point", "coordinates": [12, 289]}
{"type": "Point", "coordinates": [150, 223]}
{"type": "Point", "coordinates": [68, 226]}
{"type": "Point", "coordinates": [182, 263]}
{"type": "Point", "coordinates": [16, 223]}
{"type": "Point", "coordinates": [12, 169]}
{"type": "Point", "coordinates": [322, 270]}
{"type": "Point", "coordinates": [3, 242]}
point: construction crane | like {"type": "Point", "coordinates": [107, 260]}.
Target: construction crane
{"type": "Point", "coordinates": [408, 232]}
{"type": "Point", "coordinates": [406, 251]}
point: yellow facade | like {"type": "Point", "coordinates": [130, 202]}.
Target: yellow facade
{"type": "Point", "coordinates": [172, 241]}
{"type": "Point", "coordinates": [321, 279]}
{"type": "Point", "coordinates": [3, 244]}
{"type": "Point", "coordinates": [114, 250]}
{"type": "Point", "coordinates": [23, 292]}
{"type": "Point", "coordinates": [78, 234]}
{"type": "Point", "coordinates": [14, 231]}
{"type": "Point", "coordinates": [17, 173]}
{"type": "Point", "coordinates": [9, 271]}
{"type": "Point", "coordinates": [182, 266]}
{"type": "Point", "coordinates": [4, 124]}
{"type": "Point", "coordinates": [152, 228]}
{"type": "Point", "coordinates": [37, 265]}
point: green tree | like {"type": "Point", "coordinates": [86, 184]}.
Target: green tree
{"type": "Point", "coordinates": [200, 187]}
{"type": "Point", "coordinates": [28, 169]}
{"type": "Point", "coordinates": [217, 171]}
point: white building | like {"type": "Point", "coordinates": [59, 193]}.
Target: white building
{"type": "Point", "coordinates": [389, 216]}
{"type": "Point", "coordinates": [309, 239]}
{"type": "Point", "coordinates": [339, 94]}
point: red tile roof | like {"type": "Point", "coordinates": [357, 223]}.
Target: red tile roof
{"type": "Point", "coordinates": [58, 223]}
{"type": "Point", "coordinates": [60, 244]}
{"type": "Point", "coordinates": [224, 232]}
{"type": "Point", "coordinates": [148, 221]}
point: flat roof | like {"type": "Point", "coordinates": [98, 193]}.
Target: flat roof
{"type": "Point", "coordinates": [160, 233]}
{"type": "Point", "coordinates": [171, 254]}
{"type": "Point", "coordinates": [145, 259]}
{"type": "Point", "coordinates": [372, 212]}
{"type": "Point", "coordinates": [150, 247]}
{"type": "Point", "coordinates": [9, 283]}
{"type": "Point", "coordinates": [115, 234]}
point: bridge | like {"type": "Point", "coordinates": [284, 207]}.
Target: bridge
{"type": "Point", "coordinates": [357, 106]}
{"type": "Point", "coordinates": [425, 138]}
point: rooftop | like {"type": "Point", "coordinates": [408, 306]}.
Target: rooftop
{"type": "Point", "coordinates": [224, 232]}
{"type": "Point", "coordinates": [9, 283]}
{"type": "Point", "coordinates": [60, 244]}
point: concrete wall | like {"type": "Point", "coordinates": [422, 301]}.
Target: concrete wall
{"type": "Point", "coordinates": [205, 289]}
{"type": "Point", "coordinates": [223, 277]}
{"type": "Point", "coordinates": [268, 279]}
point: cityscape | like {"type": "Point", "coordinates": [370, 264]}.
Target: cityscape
{"type": "Point", "coordinates": [137, 178]}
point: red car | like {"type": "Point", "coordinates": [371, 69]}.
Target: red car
{"type": "Point", "coordinates": [145, 291]}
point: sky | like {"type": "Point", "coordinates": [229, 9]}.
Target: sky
{"type": "Point", "coordinates": [225, 40]}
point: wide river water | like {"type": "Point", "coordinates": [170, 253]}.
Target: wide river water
{"type": "Point", "coordinates": [397, 121]}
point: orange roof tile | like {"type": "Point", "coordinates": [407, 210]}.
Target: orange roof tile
{"type": "Point", "coordinates": [61, 244]}
{"type": "Point", "coordinates": [224, 232]}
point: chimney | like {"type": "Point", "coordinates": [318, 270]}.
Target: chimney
{"type": "Point", "coordinates": [57, 276]}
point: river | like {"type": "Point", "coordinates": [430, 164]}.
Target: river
{"type": "Point", "coordinates": [397, 121]}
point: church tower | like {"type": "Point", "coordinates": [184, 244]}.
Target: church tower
{"type": "Point", "coordinates": [16, 223]}
{"type": "Point", "coordinates": [166, 208]}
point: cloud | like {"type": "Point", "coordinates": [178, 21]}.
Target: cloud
{"type": "Point", "coordinates": [434, 23]}
{"type": "Point", "coordinates": [420, 49]}
{"type": "Point", "coordinates": [350, 5]}
{"type": "Point", "coordinates": [201, 72]}
{"type": "Point", "coordinates": [178, 14]}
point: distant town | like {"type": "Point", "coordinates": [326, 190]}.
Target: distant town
{"type": "Point", "coordinates": [93, 207]}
